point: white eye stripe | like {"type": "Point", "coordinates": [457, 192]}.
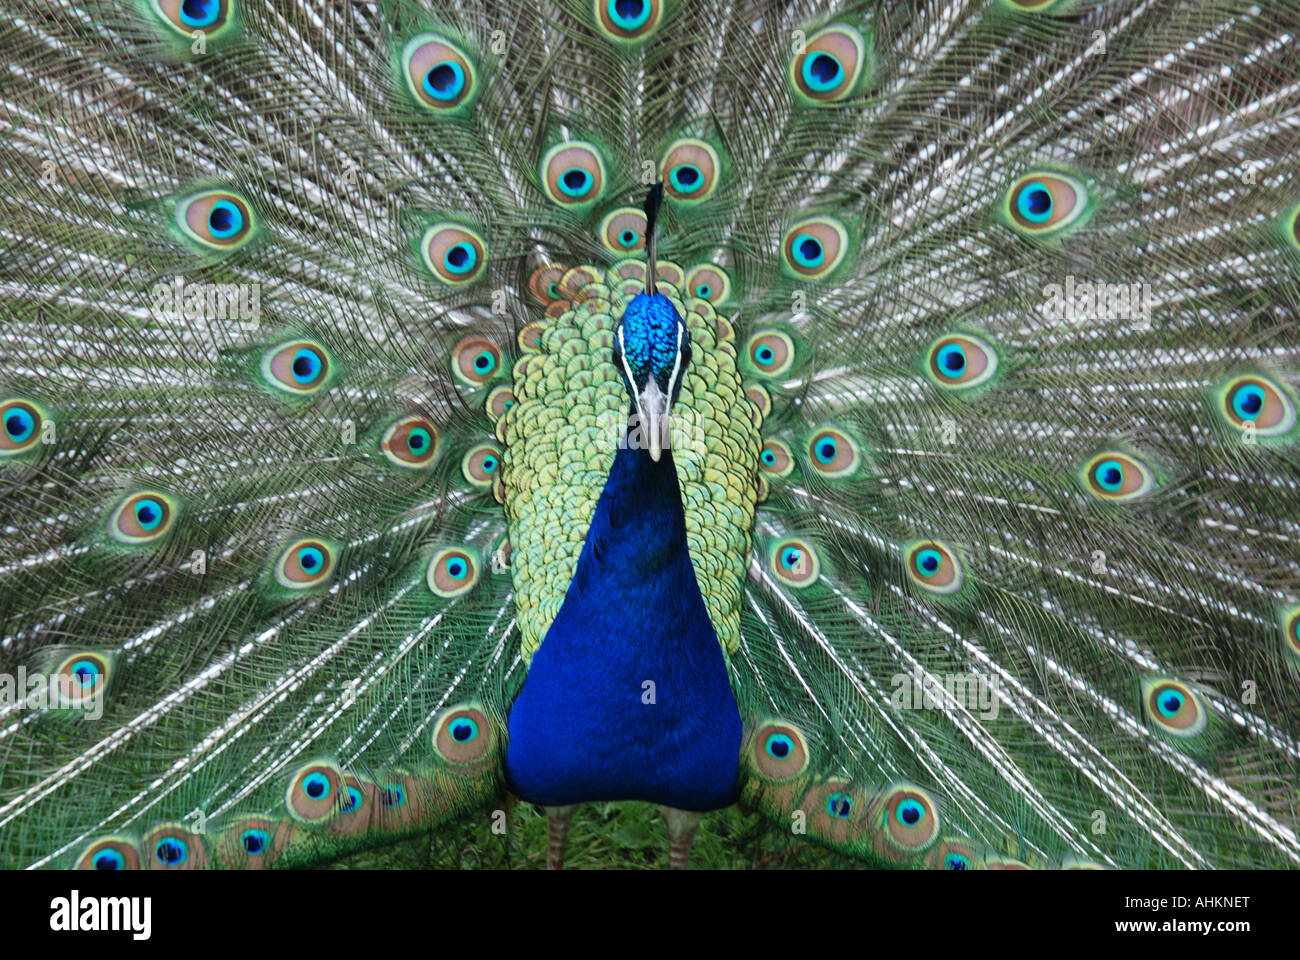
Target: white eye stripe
{"type": "Point", "coordinates": [677, 363]}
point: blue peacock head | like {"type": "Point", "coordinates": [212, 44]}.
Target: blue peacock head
{"type": "Point", "coordinates": [652, 349]}
{"type": "Point", "coordinates": [652, 346]}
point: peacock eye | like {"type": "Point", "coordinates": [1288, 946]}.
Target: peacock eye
{"type": "Point", "coordinates": [452, 572]}
{"type": "Point", "coordinates": [208, 17]}
{"type": "Point", "coordinates": [1043, 203]}
{"type": "Point", "coordinates": [628, 21]}
{"type": "Point", "coordinates": [934, 567]}
{"type": "Point", "coordinates": [779, 751]}
{"type": "Point", "coordinates": [304, 564]}
{"type": "Point", "coordinates": [393, 795]}
{"type": "Point", "coordinates": [958, 361]}
{"type": "Point", "coordinates": [1291, 635]}
{"type": "Point", "coordinates": [454, 254]}
{"type": "Point", "coordinates": [481, 464]}
{"type": "Point", "coordinates": [956, 861]}
{"type": "Point", "coordinates": [833, 453]}
{"type": "Point", "coordinates": [573, 174]}
{"type": "Point", "coordinates": [623, 231]}
{"type": "Point", "coordinates": [815, 247]}
{"type": "Point", "coordinates": [795, 562]}
{"type": "Point", "coordinates": [907, 821]}
{"type": "Point", "coordinates": [253, 841]}
{"type": "Point", "coordinates": [774, 459]}
{"type": "Point", "coordinates": [545, 282]}
{"type": "Point", "coordinates": [110, 853]}
{"type": "Point", "coordinates": [439, 75]}
{"type": "Point", "coordinates": [690, 171]}
{"type": "Point", "coordinates": [1117, 476]}
{"type": "Point", "coordinates": [771, 352]}
{"type": "Point", "coordinates": [1175, 708]}
{"type": "Point", "coordinates": [299, 367]}
{"type": "Point", "coordinates": [215, 219]}
{"type": "Point", "coordinates": [313, 792]}
{"type": "Point", "coordinates": [81, 676]}
{"type": "Point", "coordinates": [839, 805]}
{"type": "Point", "coordinates": [411, 442]}
{"type": "Point", "coordinates": [142, 517]}
{"type": "Point", "coordinates": [171, 851]}
{"type": "Point", "coordinates": [475, 360]}
{"type": "Point", "coordinates": [22, 423]}
{"type": "Point", "coordinates": [499, 402]}
{"type": "Point", "coordinates": [463, 735]}
{"type": "Point", "coordinates": [1258, 401]}
{"type": "Point", "coordinates": [830, 65]}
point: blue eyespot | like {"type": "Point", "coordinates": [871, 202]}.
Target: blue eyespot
{"type": "Point", "coordinates": [86, 673]}
{"type": "Point", "coordinates": [765, 355]}
{"type": "Point", "coordinates": [225, 220]}
{"type": "Point", "coordinates": [628, 14]}
{"type": "Point", "coordinates": [839, 805]}
{"type": "Point", "coordinates": [1035, 203]}
{"type": "Point", "coordinates": [489, 463]}
{"type": "Point", "coordinates": [352, 801]}
{"type": "Point", "coordinates": [172, 851]}
{"type": "Point", "coordinates": [253, 841]}
{"type": "Point", "coordinates": [109, 860]}
{"type": "Point", "coordinates": [628, 238]}
{"type": "Point", "coordinates": [149, 513]}
{"type": "Point", "coordinates": [460, 258]}
{"type": "Point", "coordinates": [464, 730]}
{"type": "Point", "coordinates": [309, 558]}
{"type": "Point", "coordinates": [575, 182]}
{"type": "Point", "coordinates": [316, 785]}
{"type": "Point", "coordinates": [952, 360]}
{"type": "Point", "coordinates": [827, 449]}
{"type": "Point", "coordinates": [928, 562]}
{"type": "Point", "coordinates": [703, 291]}
{"type": "Point", "coordinates": [910, 813]}
{"type": "Point", "coordinates": [779, 745]}
{"type": "Point", "coordinates": [769, 457]}
{"type": "Point", "coordinates": [1109, 475]}
{"type": "Point", "coordinates": [457, 568]}
{"type": "Point", "coordinates": [19, 424]}
{"type": "Point", "coordinates": [808, 251]}
{"type": "Point", "coordinates": [445, 80]}
{"type": "Point", "coordinates": [686, 178]}
{"type": "Point", "coordinates": [394, 795]}
{"type": "Point", "coordinates": [956, 861]}
{"type": "Point", "coordinates": [485, 362]}
{"type": "Point", "coordinates": [790, 557]}
{"type": "Point", "coordinates": [1248, 401]}
{"type": "Point", "coordinates": [306, 365]}
{"type": "Point", "coordinates": [822, 72]}
{"type": "Point", "coordinates": [200, 13]}
{"type": "Point", "coordinates": [1170, 703]}
{"type": "Point", "coordinates": [418, 440]}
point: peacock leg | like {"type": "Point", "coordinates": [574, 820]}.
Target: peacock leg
{"type": "Point", "coordinates": [681, 833]}
{"type": "Point", "coordinates": [557, 832]}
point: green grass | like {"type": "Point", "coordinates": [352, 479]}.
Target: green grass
{"type": "Point", "coordinates": [603, 836]}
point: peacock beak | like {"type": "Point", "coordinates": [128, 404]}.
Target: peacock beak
{"type": "Point", "coordinates": [653, 405]}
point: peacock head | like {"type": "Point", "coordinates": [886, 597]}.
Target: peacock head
{"type": "Point", "coordinates": [652, 348]}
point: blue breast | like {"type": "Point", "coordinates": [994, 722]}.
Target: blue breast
{"type": "Point", "coordinates": [582, 727]}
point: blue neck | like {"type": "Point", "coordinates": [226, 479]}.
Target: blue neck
{"type": "Point", "coordinates": [581, 728]}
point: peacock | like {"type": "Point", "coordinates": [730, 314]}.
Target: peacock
{"type": "Point", "coordinates": [880, 417]}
